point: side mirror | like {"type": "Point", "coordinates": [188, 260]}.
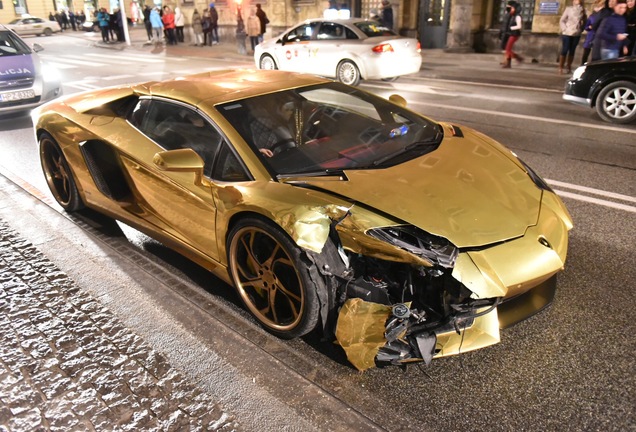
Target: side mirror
{"type": "Point", "coordinates": [398, 100]}
{"type": "Point", "coordinates": [181, 160]}
{"type": "Point", "coordinates": [37, 47]}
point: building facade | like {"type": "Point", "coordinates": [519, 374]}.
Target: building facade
{"type": "Point", "coordinates": [458, 25]}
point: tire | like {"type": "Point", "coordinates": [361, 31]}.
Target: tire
{"type": "Point", "coordinates": [616, 103]}
{"type": "Point", "coordinates": [58, 175]}
{"type": "Point", "coordinates": [48, 32]}
{"type": "Point", "coordinates": [272, 279]}
{"type": "Point", "coordinates": [391, 79]}
{"type": "Point", "coordinates": [348, 73]}
{"type": "Point", "coordinates": [267, 63]}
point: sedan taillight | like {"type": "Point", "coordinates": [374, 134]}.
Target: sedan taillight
{"type": "Point", "coordinates": [382, 48]}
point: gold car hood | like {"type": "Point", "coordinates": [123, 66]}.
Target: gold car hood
{"type": "Point", "coordinates": [468, 191]}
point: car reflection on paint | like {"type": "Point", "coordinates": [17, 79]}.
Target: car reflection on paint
{"type": "Point", "coordinates": [345, 49]}
{"type": "Point", "coordinates": [609, 86]}
{"type": "Point", "coordinates": [327, 207]}
{"type": "Point", "coordinates": [25, 82]}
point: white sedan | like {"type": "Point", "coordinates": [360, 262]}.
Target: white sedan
{"type": "Point", "coordinates": [345, 49]}
{"type": "Point", "coordinates": [34, 26]}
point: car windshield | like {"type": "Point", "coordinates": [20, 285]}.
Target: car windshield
{"type": "Point", "coordinates": [327, 128]}
{"type": "Point", "coordinates": [11, 45]}
{"type": "Point", "coordinates": [373, 28]}
{"type": "Point", "coordinates": [15, 21]}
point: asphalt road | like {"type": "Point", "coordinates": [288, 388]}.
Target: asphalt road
{"type": "Point", "coordinates": [569, 368]}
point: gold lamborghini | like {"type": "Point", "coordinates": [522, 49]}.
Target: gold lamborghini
{"type": "Point", "coordinates": [325, 206]}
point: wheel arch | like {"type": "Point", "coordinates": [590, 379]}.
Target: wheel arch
{"type": "Point", "coordinates": [606, 80]}
{"type": "Point", "coordinates": [272, 56]}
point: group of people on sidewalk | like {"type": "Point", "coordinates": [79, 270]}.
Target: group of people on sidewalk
{"type": "Point", "coordinates": [67, 19]}
{"type": "Point", "coordinates": [111, 25]}
{"type": "Point", "coordinates": [611, 31]}
{"type": "Point", "coordinates": [166, 24]}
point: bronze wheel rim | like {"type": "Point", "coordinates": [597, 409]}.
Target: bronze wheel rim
{"type": "Point", "coordinates": [56, 172]}
{"type": "Point", "coordinates": [267, 279]}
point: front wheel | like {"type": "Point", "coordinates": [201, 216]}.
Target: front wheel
{"type": "Point", "coordinates": [272, 278]}
{"type": "Point", "coordinates": [58, 175]}
{"type": "Point", "coordinates": [48, 32]}
{"type": "Point", "coordinates": [617, 102]}
{"type": "Point", "coordinates": [267, 63]}
{"type": "Point", "coordinates": [390, 79]}
{"type": "Point", "coordinates": [347, 73]}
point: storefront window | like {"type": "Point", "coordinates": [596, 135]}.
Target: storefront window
{"type": "Point", "coordinates": [527, 13]}
{"type": "Point", "coordinates": [20, 7]}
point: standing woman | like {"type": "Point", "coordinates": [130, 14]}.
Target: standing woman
{"type": "Point", "coordinates": [168, 24]}
{"type": "Point", "coordinates": [572, 22]}
{"type": "Point", "coordinates": [179, 22]}
{"type": "Point", "coordinates": [197, 28]}
{"type": "Point", "coordinates": [590, 28]}
{"type": "Point", "coordinates": [514, 30]}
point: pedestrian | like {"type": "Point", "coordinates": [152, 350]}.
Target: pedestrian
{"type": "Point", "coordinates": [262, 17]}
{"type": "Point", "coordinates": [253, 28]}
{"type": "Point", "coordinates": [206, 25]}
{"type": "Point", "coordinates": [179, 22]}
{"type": "Point", "coordinates": [613, 32]}
{"type": "Point", "coordinates": [197, 28]}
{"type": "Point", "coordinates": [572, 22]}
{"type": "Point", "coordinates": [104, 24]}
{"type": "Point", "coordinates": [81, 18]}
{"type": "Point", "coordinates": [64, 17]}
{"type": "Point", "coordinates": [631, 26]}
{"type": "Point", "coordinates": [607, 10]}
{"type": "Point", "coordinates": [514, 30]}
{"type": "Point", "coordinates": [156, 24]}
{"type": "Point", "coordinates": [58, 18]}
{"type": "Point", "coordinates": [504, 32]}
{"type": "Point", "coordinates": [169, 25]}
{"type": "Point", "coordinates": [71, 19]}
{"type": "Point", "coordinates": [147, 24]}
{"type": "Point", "coordinates": [590, 31]}
{"type": "Point", "coordinates": [214, 25]}
{"type": "Point", "coordinates": [51, 17]}
{"type": "Point", "coordinates": [387, 14]}
{"type": "Point", "coordinates": [119, 29]}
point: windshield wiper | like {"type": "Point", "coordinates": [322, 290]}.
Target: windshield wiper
{"type": "Point", "coordinates": [321, 173]}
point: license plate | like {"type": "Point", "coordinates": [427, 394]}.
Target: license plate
{"type": "Point", "coordinates": [17, 95]}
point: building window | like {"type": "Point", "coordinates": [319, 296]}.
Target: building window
{"type": "Point", "coordinates": [527, 13]}
{"type": "Point", "coordinates": [20, 7]}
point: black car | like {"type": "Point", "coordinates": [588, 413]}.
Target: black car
{"type": "Point", "coordinates": [607, 85]}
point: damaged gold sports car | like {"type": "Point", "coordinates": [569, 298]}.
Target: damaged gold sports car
{"type": "Point", "coordinates": [325, 206]}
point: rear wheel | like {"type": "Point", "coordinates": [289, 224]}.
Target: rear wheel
{"type": "Point", "coordinates": [58, 175]}
{"type": "Point", "coordinates": [267, 63]}
{"type": "Point", "coordinates": [347, 73]}
{"type": "Point", "coordinates": [617, 102]}
{"type": "Point", "coordinates": [391, 79]}
{"type": "Point", "coordinates": [272, 276]}
{"type": "Point", "coordinates": [48, 32]}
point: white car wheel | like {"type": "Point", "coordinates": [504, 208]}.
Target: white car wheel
{"type": "Point", "coordinates": [267, 63]}
{"type": "Point", "coordinates": [348, 73]}
{"type": "Point", "coordinates": [617, 102]}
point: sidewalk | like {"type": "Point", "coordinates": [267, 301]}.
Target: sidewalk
{"type": "Point", "coordinates": [436, 64]}
{"type": "Point", "coordinates": [67, 363]}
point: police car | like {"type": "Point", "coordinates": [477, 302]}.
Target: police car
{"type": "Point", "coordinates": [345, 49]}
{"type": "Point", "coordinates": [24, 81]}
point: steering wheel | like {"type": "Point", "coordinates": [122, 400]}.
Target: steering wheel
{"type": "Point", "coordinates": [283, 145]}
{"type": "Point", "coordinates": [313, 130]}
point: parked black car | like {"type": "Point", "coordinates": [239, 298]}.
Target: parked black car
{"type": "Point", "coordinates": [607, 85]}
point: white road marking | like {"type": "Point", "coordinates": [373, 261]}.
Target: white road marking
{"type": "Point", "coordinates": [591, 190]}
{"type": "Point", "coordinates": [597, 201]}
{"type": "Point", "coordinates": [115, 77]}
{"type": "Point", "coordinates": [527, 117]}
{"type": "Point", "coordinates": [138, 58]}
{"type": "Point", "coordinates": [58, 65]}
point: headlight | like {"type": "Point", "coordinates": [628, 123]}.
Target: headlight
{"type": "Point", "coordinates": [436, 249]}
{"type": "Point", "coordinates": [50, 73]}
{"type": "Point", "coordinates": [578, 72]}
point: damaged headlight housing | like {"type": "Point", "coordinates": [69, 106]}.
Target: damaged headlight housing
{"type": "Point", "coordinates": [436, 249]}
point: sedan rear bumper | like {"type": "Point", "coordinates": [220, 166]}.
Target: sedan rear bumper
{"type": "Point", "coordinates": [389, 66]}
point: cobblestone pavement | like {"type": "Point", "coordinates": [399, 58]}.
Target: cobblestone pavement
{"type": "Point", "coordinates": [68, 364]}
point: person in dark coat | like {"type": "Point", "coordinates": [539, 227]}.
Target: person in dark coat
{"type": "Point", "coordinates": [147, 23]}
{"type": "Point", "coordinates": [613, 32]}
{"type": "Point", "coordinates": [603, 13]}
{"type": "Point", "coordinates": [387, 14]}
{"type": "Point", "coordinates": [262, 17]}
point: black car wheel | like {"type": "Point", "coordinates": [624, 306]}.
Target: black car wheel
{"type": "Point", "coordinates": [267, 63]}
{"type": "Point", "coordinates": [48, 32]}
{"type": "Point", "coordinates": [616, 103]}
{"type": "Point", "coordinates": [58, 175]}
{"type": "Point", "coordinates": [347, 73]}
{"type": "Point", "coordinates": [272, 276]}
